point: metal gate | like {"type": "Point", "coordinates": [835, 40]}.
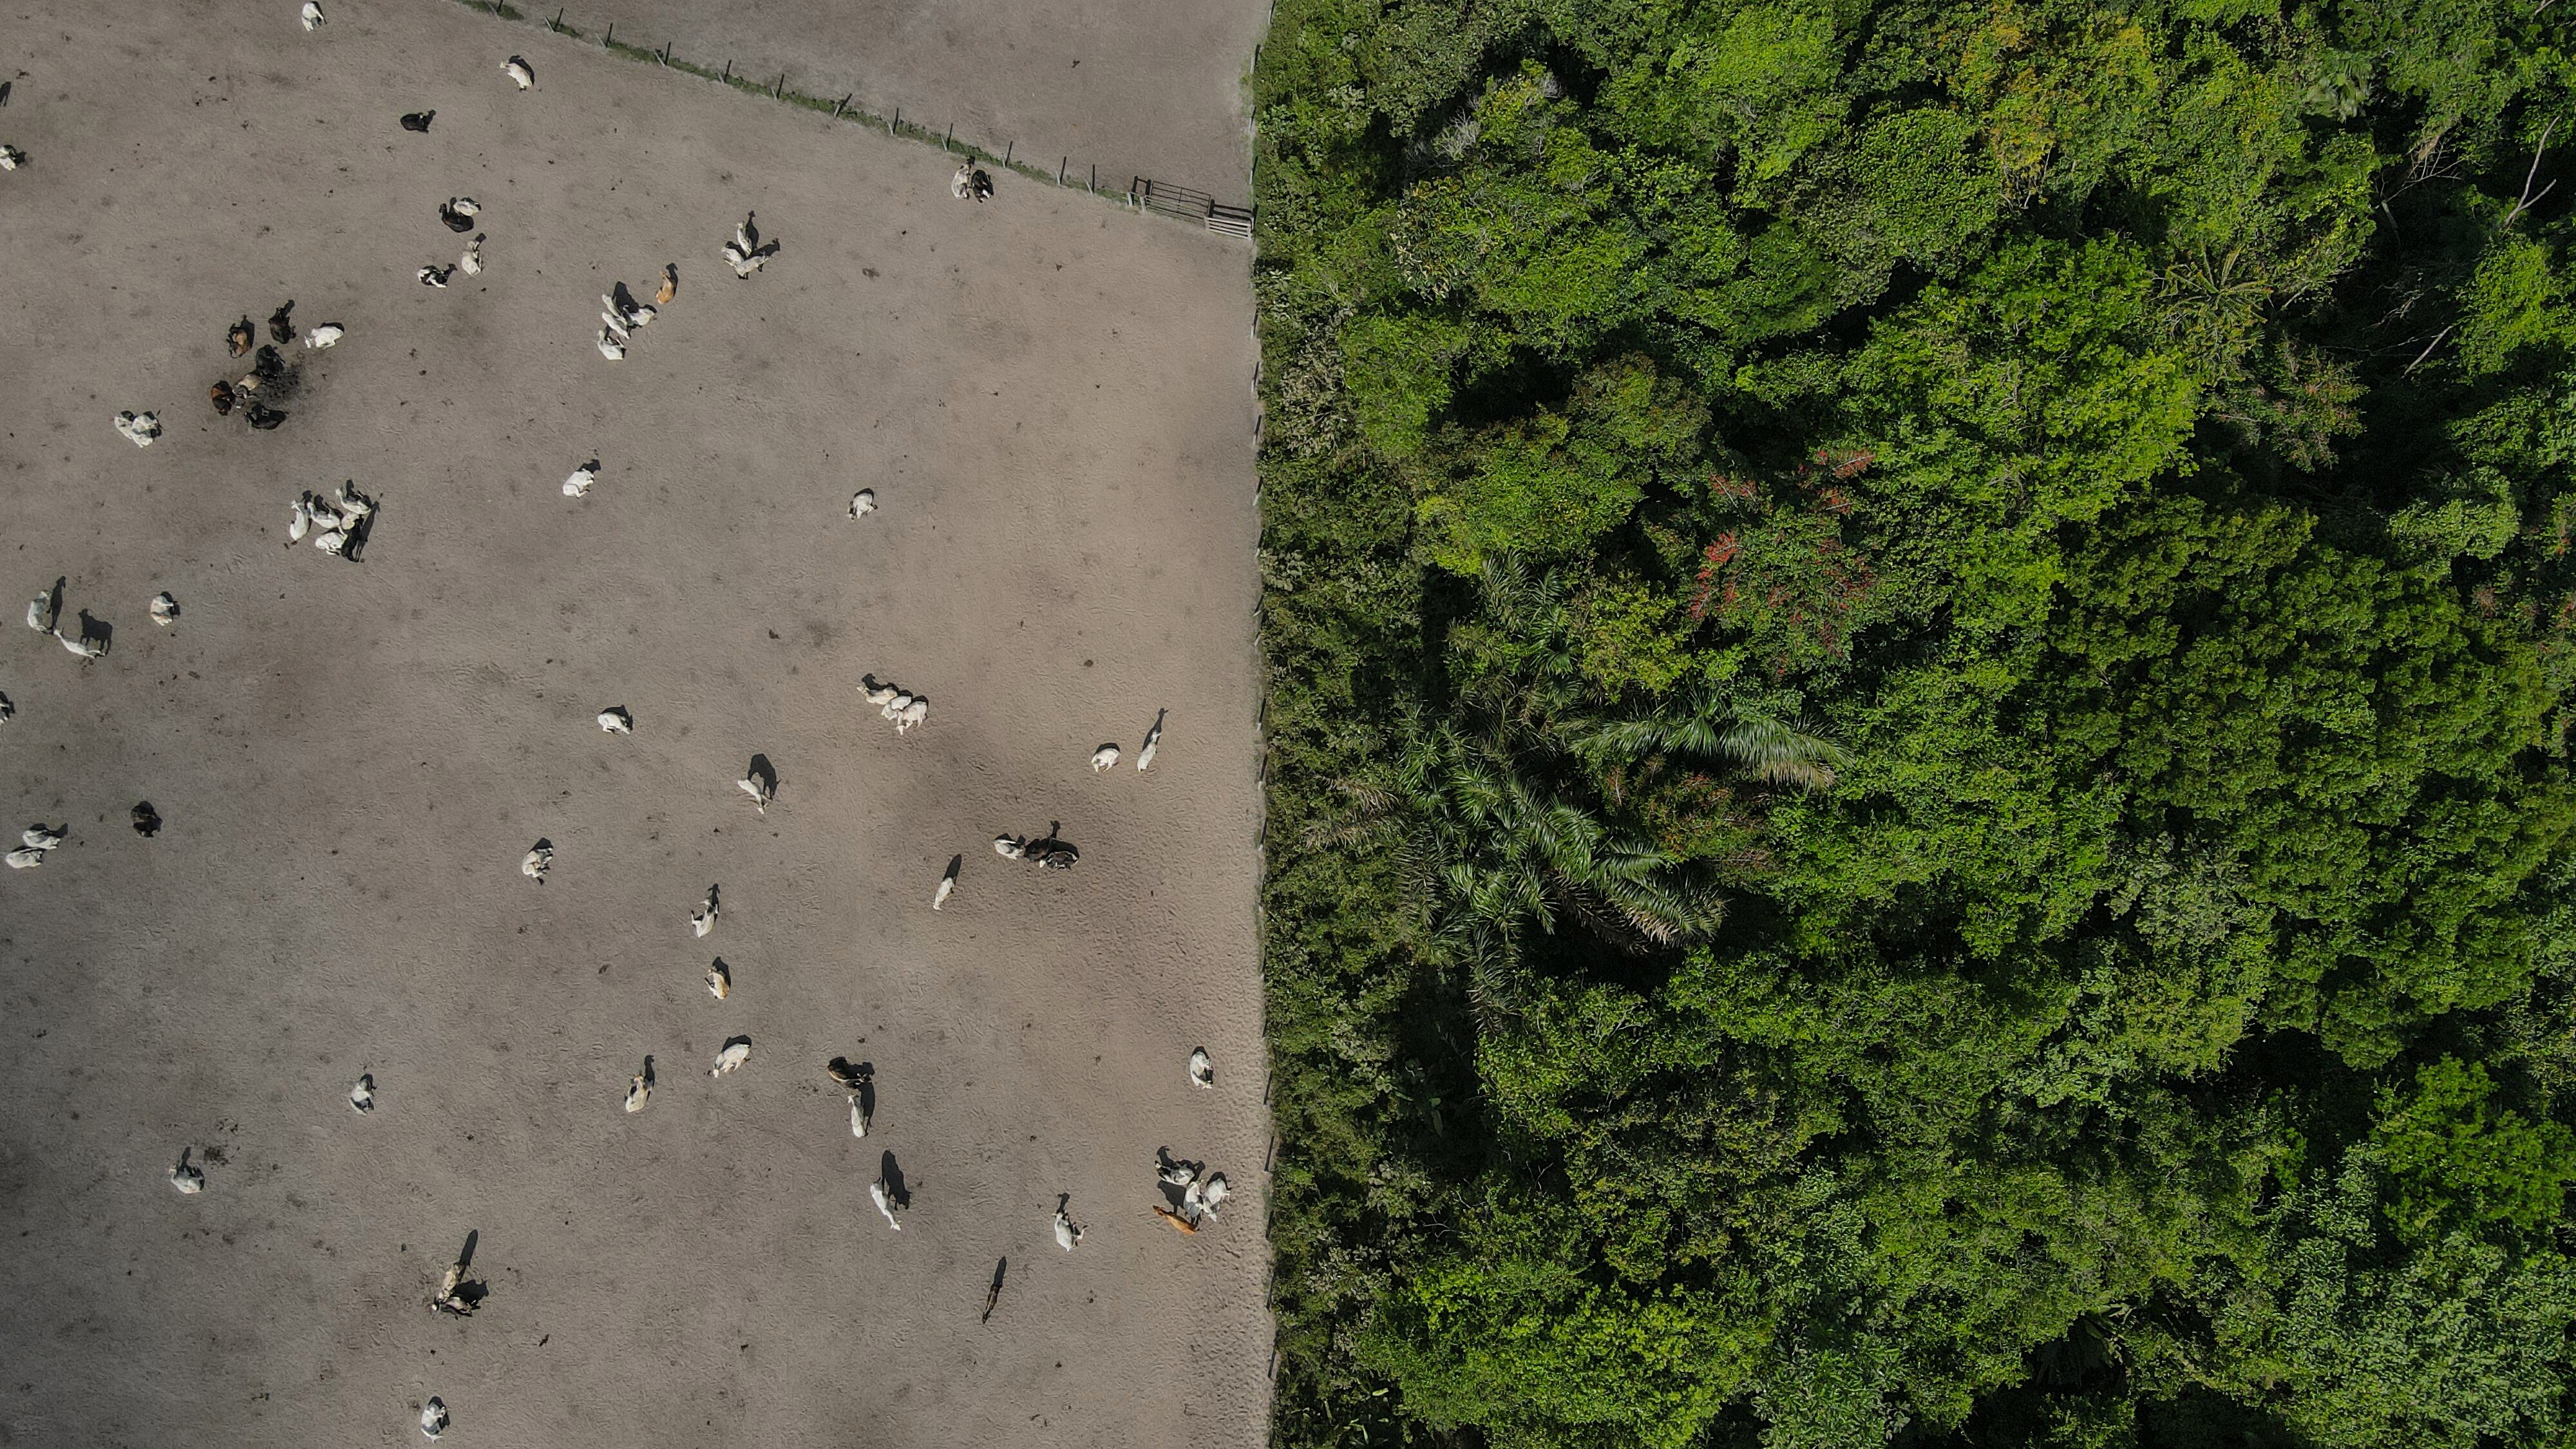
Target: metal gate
{"type": "Point", "coordinates": [1189, 205]}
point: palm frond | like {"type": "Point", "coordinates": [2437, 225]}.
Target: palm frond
{"type": "Point", "coordinates": [1781, 753]}
{"type": "Point", "coordinates": [1665, 910]}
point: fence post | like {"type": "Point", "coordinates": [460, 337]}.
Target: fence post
{"type": "Point", "coordinates": [556, 24]}
{"type": "Point", "coordinates": [1006, 151]}
{"type": "Point", "coordinates": [844, 105]}
{"type": "Point", "coordinates": [1059, 171]}
{"type": "Point", "coordinates": [666, 52]}
{"type": "Point", "coordinates": [949, 141]}
{"type": "Point", "coordinates": [728, 73]}
{"type": "Point", "coordinates": [609, 41]}
{"type": "Point", "coordinates": [778, 92]}
{"type": "Point", "coordinates": [896, 124]}
{"type": "Point", "coordinates": [1095, 178]}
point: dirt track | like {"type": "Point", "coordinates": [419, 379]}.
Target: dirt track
{"type": "Point", "coordinates": [1050, 398]}
{"type": "Point", "coordinates": [1137, 87]}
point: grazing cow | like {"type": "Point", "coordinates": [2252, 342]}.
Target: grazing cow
{"type": "Point", "coordinates": [451, 1296]}
{"type": "Point", "coordinates": [746, 253]}
{"type": "Point", "coordinates": [1153, 739]}
{"type": "Point", "coordinates": [1204, 1196]}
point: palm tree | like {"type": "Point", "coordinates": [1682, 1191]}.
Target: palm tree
{"type": "Point", "coordinates": [1702, 723]}
{"type": "Point", "coordinates": [1501, 814]}
{"type": "Point", "coordinates": [1512, 847]}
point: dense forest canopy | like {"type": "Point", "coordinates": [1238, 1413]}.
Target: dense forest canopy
{"type": "Point", "coordinates": [1919, 673]}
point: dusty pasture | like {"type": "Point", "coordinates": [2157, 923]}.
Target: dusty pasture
{"type": "Point", "coordinates": [1050, 399]}
{"type": "Point", "coordinates": [1150, 87]}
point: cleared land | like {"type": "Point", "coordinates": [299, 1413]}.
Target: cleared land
{"type": "Point", "coordinates": [1050, 398]}
{"type": "Point", "coordinates": [1138, 87]}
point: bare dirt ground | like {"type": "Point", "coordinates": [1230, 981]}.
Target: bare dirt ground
{"type": "Point", "coordinates": [1050, 398]}
{"type": "Point", "coordinates": [1139, 87]}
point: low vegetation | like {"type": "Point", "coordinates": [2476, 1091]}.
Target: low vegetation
{"type": "Point", "coordinates": [1919, 659]}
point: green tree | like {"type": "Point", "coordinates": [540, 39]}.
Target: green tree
{"type": "Point", "coordinates": [2459, 1156]}
{"type": "Point", "coordinates": [1509, 812]}
{"type": "Point", "coordinates": [2143, 439]}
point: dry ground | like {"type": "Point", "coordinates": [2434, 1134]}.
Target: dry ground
{"type": "Point", "coordinates": [1051, 399]}
{"type": "Point", "coordinates": [1139, 87]}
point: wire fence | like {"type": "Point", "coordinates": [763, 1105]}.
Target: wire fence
{"type": "Point", "coordinates": [1225, 220]}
